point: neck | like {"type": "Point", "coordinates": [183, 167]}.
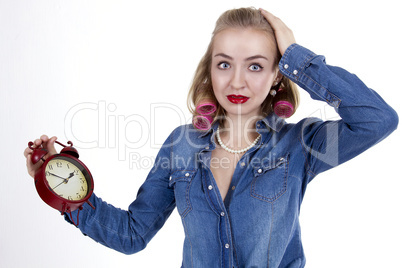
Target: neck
{"type": "Point", "coordinates": [239, 131]}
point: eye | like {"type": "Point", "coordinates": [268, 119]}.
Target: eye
{"type": "Point", "coordinates": [255, 67]}
{"type": "Point", "coordinates": [223, 65]}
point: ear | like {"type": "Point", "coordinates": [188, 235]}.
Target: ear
{"type": "Point", "coordinates": [278, 78]}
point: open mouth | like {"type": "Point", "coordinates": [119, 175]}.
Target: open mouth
{"type": "Point", "coordinates": [237, 99]}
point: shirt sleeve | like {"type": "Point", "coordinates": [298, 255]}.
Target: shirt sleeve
{"type": "Point", "coordinates": [129, 231]}
{"type": "Point", "coordinates": [365, 120]}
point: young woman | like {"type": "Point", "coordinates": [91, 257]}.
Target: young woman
{"type": "Point", "coordinates": [238, 174]}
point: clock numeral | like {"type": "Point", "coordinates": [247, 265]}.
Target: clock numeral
{"type": "Point", "coordinates": [59, 164]}
{"type": "Point", "coordinates": [82, 189]}
{"type": "Point", "coordinates": [79, 196]}
{"type": "Point", "coordinates": [50, 167]}
{"type": "Point", "coordinates": [82, 180]}
{"type": "Point", "coordinates": [68, 166]}
{"type": "Point", "coordinates": [47, 173]}
{"type": "Point", "coordinates": [76, 172]}
{"type": "Point", "coordinates": [69, 197]}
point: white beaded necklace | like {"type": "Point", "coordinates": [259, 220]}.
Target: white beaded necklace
{"type": "Point", "coordinates": [235, 151]}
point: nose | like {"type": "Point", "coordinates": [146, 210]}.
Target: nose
{"type": "Point", "coordinates": [238, 79]}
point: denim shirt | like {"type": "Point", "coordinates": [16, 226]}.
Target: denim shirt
{"type": "Point", "coordinates": [257, 225]}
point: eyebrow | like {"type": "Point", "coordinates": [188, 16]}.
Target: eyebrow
{"type": "Point", "coordinates": [248, 59]}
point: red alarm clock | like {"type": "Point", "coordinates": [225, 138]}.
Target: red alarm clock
{"type": "Point", "coordinates": [63, 181]}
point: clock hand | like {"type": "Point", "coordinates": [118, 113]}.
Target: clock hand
{"type": "Point", "coordinates": [64, 180]}
{"type": "Point", "coordinates": [58, 185]}
{"type": "Point", "coordinates": [70, 176]}
{"type": "Point", "coordinates": [56, 175]}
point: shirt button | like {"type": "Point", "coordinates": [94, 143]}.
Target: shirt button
{"type": "Point", "coordinates": [187, 174]}
{"type": "Point", "coordinates": [210, 187]}
{"type": "Point", "coordinates": [207, 148]}
{"type": "Point", "coordinates": [227, 245]}
{"type": "Point", "coordinates": [286, 66]}
{"type": "Point", "coordinates": [223, 214]}
{"type": "Point", "coordinates": [233, 187]}
{"type": "Point", "coordinates": [242, 164]}
{"type": "Point", "coordinates": [259, 171]}
{"type": "Point", "coordinates": [295, 72]}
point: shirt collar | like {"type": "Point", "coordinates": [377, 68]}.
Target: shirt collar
{"type": "Point", "coordinates": [211, 130]}
{"type": "Point", "coordinates": [274, 122]}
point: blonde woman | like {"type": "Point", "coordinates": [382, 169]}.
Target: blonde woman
{"type": "Point", "coordinates": [238, 174]}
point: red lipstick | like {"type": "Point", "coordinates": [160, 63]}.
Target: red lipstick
{"type": "Point", "coordinates": [237, 99]}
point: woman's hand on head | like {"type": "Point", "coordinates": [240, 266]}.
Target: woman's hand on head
{"type": "Point", "coordinates": [43, 142]}
{"type": "Point", "coordinates": [284, 36]}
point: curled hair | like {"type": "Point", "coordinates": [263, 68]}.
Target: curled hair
{"type": "Point", "coordinates": [201, 88]}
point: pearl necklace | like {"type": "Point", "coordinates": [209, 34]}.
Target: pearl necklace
{"type": "Point", "coordinates": [235, 151]}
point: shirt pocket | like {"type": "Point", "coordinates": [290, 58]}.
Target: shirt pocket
{"type": "Point", "coordinates": [270, 181]}
{"type": "Point", "coordinates": [181, 180]}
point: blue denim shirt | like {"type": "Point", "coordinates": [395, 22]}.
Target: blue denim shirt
{"type": "Point", "coordinates": [257, 225]}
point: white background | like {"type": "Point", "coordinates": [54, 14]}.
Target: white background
{"type": "Point", "coordinates": [93, 72]}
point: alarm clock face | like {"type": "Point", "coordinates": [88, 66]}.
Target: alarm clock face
{"type": "Point", "coordinates": [67, 178]}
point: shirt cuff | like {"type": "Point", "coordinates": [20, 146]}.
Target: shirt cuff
{"type": "Point", "coordinates": [295, 64]}
{"type": "Point", "coordinates": [294, 60]}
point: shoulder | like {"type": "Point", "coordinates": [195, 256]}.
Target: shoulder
{"type": "Point", "coordinates": [185, 136]}
{"type": "Point", "coordinates": [187, 130]}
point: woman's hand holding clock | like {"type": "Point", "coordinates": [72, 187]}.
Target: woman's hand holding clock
{"type": "Point", "coordinates": [61, 179]}
{"type": "Point", "coordinates": [43, 142]}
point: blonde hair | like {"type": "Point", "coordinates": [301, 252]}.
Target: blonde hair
{"type": "Point", "coordinates": [201, 88]}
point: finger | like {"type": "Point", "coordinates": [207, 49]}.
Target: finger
{"type": "Point", "coordinates": [49, 145]}
{"type": "Point", "coordinates": [27, 152]}
{"type": "Point", "coordinates": [265, 12]}
{"type": "Point", "coordinates": [268, 16]}
{"type": "Point", "coordinates": [44, 138]}
{"type": "Point", "coordinates": [37, 143]}
{"type": "Point", "coordinates": [275, 22]}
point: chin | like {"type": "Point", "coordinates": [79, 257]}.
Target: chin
{"type": "Point", "coordinates": [243, 111]}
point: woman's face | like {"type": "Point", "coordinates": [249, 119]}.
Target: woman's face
{"type": "Point", "coordinates": [243, 70]}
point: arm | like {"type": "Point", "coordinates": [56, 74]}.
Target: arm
{"type": "Point", "coordinates": [366, 117]}
{"type": "Point", "coordinates": [125, 231]}
{"type": "Point", "coordinates": [130, 231]}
